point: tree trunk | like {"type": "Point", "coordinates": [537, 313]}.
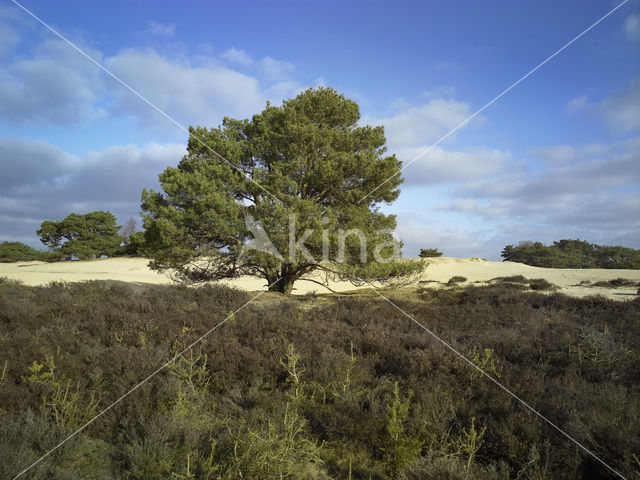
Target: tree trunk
{"type": "Point", "coordinates": [285, 285]}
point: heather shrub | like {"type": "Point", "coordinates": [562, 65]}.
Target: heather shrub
{"type": "Point", "coordinates": [510, 279]}
{"type": "Point", "coordinates": [456, 279]}
{"type": "Point", "coordinates": [316, 387]}
{"type": "Point", "coordinates": [616, 282]}
{"type": "Point", "coordinates": [540, 284]}
{"type": "Point", "coordinates": [534, 284]}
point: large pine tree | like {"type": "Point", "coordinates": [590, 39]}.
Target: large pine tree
{"type": "Point", "coordinates": [302, 166]}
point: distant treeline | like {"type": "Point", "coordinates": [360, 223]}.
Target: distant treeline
{"type": "Point", "coordinates": [572, 254]}
{"type": "Point", "coordinates": [21, 252]}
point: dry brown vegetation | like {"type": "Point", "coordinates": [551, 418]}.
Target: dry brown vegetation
{"type": "Point", "coordinates": [316, 386]}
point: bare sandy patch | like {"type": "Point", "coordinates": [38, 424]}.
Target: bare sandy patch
{"type": "Point", "coordinates": [575, 282]}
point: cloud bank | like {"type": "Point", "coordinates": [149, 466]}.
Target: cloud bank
{"type": "Point", "coordinates": [464, 197]}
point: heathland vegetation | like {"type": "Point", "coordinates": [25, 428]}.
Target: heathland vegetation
{"type": "Point", "coordinates": [316, 387]}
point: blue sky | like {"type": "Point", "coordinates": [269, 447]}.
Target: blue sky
{"type": "Point", "coordinates": [556, 157]}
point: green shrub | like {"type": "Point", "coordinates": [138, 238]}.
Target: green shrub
{"type": "Point", "coordinates": [511, 279]}
{"type": "Point", "coordinates": [534, 284]}
{"type": "Point", "coordinates": [19, 252]}
{"type": "Point", "coordinates": [430, 253]}
{"type": "Point", "coordinates": [134, 245]}
{"type": "Point", "coordinates": [400, 448]}
{"type": "Point", "coordinates": [540, 284]}
{"type": "Point", "coordinates": [617, 282]}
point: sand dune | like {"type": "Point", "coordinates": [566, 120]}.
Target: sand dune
{"type": "Point", "coordinates": [438, 272]}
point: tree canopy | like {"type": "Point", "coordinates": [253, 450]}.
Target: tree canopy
{"type": "Point", "coordinates": [294, 175]}
{"type": "Point", "coordinates": [83, 236]}
{"type": "Point", "coordinates": [134, 245]}
{"type": "Point", "coordinates": [572, 254]}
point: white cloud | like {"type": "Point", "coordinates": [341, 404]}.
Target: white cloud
{"type": "Point", "coordinates": [320, 82]}
{"type": "Point", "coordinates": [276, 69]}
{"type": "Point", "coordinates": [283, 90]}
{"type": "Point", "coordinates": [412, 129]}
{"type": "Point", "coordinates": [26, 162]}
{"type": "Point", "coordinates": [416, 234]}
{"type": "Point", "coordinates": [621, 109]}
{"type": "Point", "coordinates": [581, 190]}
{"type": "Point", "coordinates": [559, 154]}
{"type": "Point", "coordinates": [100, 177]}
{"type": "Point", "coordinates": [439, 92]}
{"type": "Point", "coordinates": [42, 182]}
{"type": "Point", "coordinates": [417, 125]}
{"type": "Point", "coordinates": [458, 206]}
{"type": "Point", "coordinates": [239, 57]}
{"type": "Point", "coordinates": [55, 85]}
{"type": "Point", "coordinates": [160, 29]}
{"type": "Point", "coordinates": [496, 208]}
{"type": "Point", "coordinates": [632, 27]}
{"type": "Point", "coordinates": [556, 154]}
{"type": "Point", "coordinates": [439, 165]}
{"type": "Point", "coordinates": [9, 36]}
{"type": "Point", "coordinates": [199, 92]}
{"type": "Point", "coordinates": [575, 191]}
{"type": "Point", "coordinates": [192, 94]}
{"type": "Point", "coordinates": [577, 104]}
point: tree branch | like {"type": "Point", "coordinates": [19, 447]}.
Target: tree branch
{"type": "Point", "coordinates": [323, 285]}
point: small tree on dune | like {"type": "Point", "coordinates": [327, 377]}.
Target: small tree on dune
{"type": "Point", "coordinates": [83, 236]}
{"type": "Point", "coordinates": [430, 253]}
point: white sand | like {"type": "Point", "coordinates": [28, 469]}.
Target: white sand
{"type": "Point", "coordinates": [438, 272]}
{"type": "Point", "coordinates": [567, 279]}
{"type": "Point", "coordinates": [123, 269]}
